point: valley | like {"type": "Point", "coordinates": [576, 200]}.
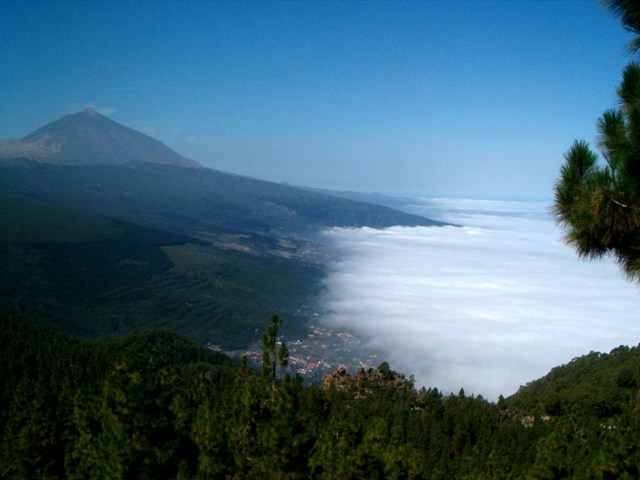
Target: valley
{"type": "Point", "coordinates": [321, 351]}
{"type": "Point", "coordinates": [100, 245]}
{"type": "Point", "coordinates": [320, 240]}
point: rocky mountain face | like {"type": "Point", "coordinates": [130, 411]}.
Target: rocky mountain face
{"type": "Point", "coordinates": [363, 382]}
{"type": "Point", "coordinates": [88, 138]}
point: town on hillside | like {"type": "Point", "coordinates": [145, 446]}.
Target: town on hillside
{"type": "Point", "coordinates": [323, 350]}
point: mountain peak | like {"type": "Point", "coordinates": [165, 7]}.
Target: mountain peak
{"type": "Point", "coordinates": [89, 138]}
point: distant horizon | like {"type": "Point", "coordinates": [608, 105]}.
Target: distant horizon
{"type": "Point", "coordinates": [399, 195]}
{"type": "Point", "coordinates": [465, 99]}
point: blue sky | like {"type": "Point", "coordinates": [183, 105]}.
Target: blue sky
{"type": "Point", "coordinates": [476, 99]}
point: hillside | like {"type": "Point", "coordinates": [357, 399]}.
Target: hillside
{"type": "Point", "coordinates": [106, 231]}
{"type": "Point", "coordinates": [152, 405]}
{"type": "Point", "coordinates": [85, 160]}
{"type": "Point", "coordinates": [204, 202]}
{"type": "Point", "coordinates": [247, 248]}
{"type": "Point", "coordinates": [92, 275]}
{"type": "Point", "coordinates": [596, 384]}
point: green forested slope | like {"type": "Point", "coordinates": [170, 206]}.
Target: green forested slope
{"type": "Point", "coordinates": [191, 200]}
{"type": "Point", "coordinates": [96, 276]}
{"type": "Point", "coordinates": [101, 250]}
{"type": "Point", "coordinates": [152, 405]}
{"type": "Point", "coordinates": [597, 384]}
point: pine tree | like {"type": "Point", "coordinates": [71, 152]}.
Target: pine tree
{"type": "Point", "coordinates": [629, 13]}
{"type": "Point", "coordinates": [272, 357]}
{"type": "Point", "coordinates": [599, 204]}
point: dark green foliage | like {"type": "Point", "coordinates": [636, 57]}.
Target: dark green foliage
{"type": "Point", "coordinates": [39, 356]}
{"type": "Point", "coordinates": [139, 425]}
{"type": "Point", "coordinates": [274, 356]}
{"type": "Point", "coordinates": [599, 203]}
{"type": "Point", "coordinates": [98, 277]}
{"type": "Point", "coordinates": [153, 405]}
{"type": "Point", "coordinates": [597, 385]}
{"type": "Point", "coordinates": [79, 409]}
{"type": "Point", "coordinates": [629, 13]}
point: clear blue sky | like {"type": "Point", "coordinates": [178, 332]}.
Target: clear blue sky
{"type": "Point", "coordinates": [459, 98]}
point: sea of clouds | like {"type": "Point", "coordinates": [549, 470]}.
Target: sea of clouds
{"type": "Point", "coordinates": [487, 306]}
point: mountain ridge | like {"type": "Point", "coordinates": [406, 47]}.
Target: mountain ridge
{"type": "Point", "coordinates": [87, 138]}
{"type": "Point", "coordinates": [101, 249]}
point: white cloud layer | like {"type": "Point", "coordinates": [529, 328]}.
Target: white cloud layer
{"type": "Point", "coordinates": [488, 306]}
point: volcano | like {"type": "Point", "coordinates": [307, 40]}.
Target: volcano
{"type": "Point", "coordinates": [88, 138]}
